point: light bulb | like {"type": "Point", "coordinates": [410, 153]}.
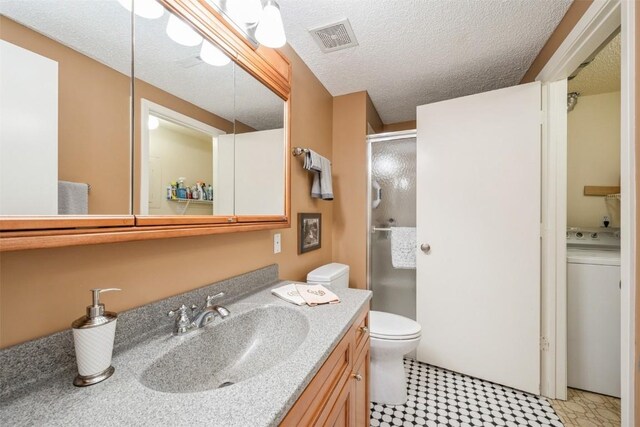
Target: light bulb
{"type": "Point", "coordinates": [153, 123]}
{"type": "Point", "coordinates": [212, 55]}
{"type": "Point", "coordinates": [149, 9]}
{"type": "Point", "coordinates": [182, 33]}
{"type": "Point", "coordinates": [270, 31]}
{"type": "Point", "coordinates": [244, 11]}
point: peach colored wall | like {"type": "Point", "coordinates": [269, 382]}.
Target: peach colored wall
{"type": "Point", "coordinates": [396, 127]}
{"type": "Point", "coordinates": [349, 184]}
{"type": "Point", "coordinates": [87, 148]}
{"type": "Point", "coordinates": [570, 19]}
{"type": "Point", "coordinates": [43, 291]}
{"type": "Point", "coordinates": [373, 118]}
{"type": "Point", "coordinates": [352, 114]}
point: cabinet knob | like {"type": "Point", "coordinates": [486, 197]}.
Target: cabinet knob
{"type": "Point", "coordinates": [357, 377]}
{"type": "Point", "coordinates": [364, 329]}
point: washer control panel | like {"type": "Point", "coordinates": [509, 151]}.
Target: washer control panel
{"type": "Point", "coordinates": [593, 237]}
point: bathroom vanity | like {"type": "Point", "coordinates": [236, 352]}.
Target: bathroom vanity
{"type": "Point", "coordinates": [269, 362]}
{"type": "Point", "coordinates": [339, 393]}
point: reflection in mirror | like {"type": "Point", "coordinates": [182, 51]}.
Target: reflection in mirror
{"type": "Point", "coordinates": [184, 101]}
{"type": "Point", "coordinates": [259, 159]}
{"type": "Point", "coordinates": [66, 108]}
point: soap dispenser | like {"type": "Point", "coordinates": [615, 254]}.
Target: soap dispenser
{"type": "Point", "coordinates": [93, 336]}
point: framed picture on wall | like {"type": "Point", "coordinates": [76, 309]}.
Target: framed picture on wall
{"type": "Point", "coordinates": [309, 232]}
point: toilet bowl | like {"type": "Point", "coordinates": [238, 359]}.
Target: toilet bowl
{"type": "Point", "coordinates": [391, 336]}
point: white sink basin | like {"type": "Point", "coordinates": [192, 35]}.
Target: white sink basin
{"type": "Point", "coordinates": [228, 352]}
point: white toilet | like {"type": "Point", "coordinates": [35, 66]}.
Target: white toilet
{"type": "Point", "coordinates": [392, 336]}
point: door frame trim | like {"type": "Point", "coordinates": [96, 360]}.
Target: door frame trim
{"type": "Point", "coordinates": [599, 21]}
{"type": "Point", "coordinates": [553, 291]}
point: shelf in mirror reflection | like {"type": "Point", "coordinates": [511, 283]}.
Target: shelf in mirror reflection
{"type": "Point", "coordinates": [188, 202]}
{"type": "Point", "coordinates": [210, 202]}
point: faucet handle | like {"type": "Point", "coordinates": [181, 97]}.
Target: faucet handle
{"type": "Point", "coordinates": [210, 298]}
{"type": "Point", "coordinates": [183, 323]}
{"type": "Point", "coordinates": [181, 311]}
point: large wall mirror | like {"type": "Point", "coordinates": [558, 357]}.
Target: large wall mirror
{"type": "Point", "coordinates": [130, 114]}
{"type": "Point", "coordinates": [65, 84]}
{"type": "Point", "coordinates": [209, 137]}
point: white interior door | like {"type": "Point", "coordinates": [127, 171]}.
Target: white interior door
{"type": "Point", "coordinates": [478, 203]}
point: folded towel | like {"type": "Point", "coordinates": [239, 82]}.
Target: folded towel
{"type": "Point", "coordinates": [317, 294]}
{"type": "Point", "coordinates": [312, 161]}
{"type": "Point", "coordinates": [322, 187]}
{"type": "Point", "coordinates": [73, 198]}
{"type": "Point", "coordinates": [289, 293]}
{"type": "Point", "coordinates": [403, 247]}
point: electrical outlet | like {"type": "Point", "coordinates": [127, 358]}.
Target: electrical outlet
{"type": "Point", "coordinates": [277, 245]}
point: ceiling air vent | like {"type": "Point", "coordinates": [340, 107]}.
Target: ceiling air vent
{"type": "Point", "coordinates": [336, 36]}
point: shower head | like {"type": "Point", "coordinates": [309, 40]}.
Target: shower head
{"type": "Point", "coordinates": [572, 100]}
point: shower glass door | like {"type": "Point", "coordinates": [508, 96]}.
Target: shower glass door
{"type": "Point", "coordinates": [392, 203]}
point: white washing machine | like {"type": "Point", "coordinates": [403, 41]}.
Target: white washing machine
{"type": "Point", "coordinates": [593, 310]}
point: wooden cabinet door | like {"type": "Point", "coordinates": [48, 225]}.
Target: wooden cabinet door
{"type": "Point", "coordinates": [361, 394]}
{"type": "Point", "coordinates": [343, 411]}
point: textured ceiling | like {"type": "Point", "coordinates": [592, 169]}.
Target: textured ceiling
{"type": "Point", "coordinates": [414, 52]}
{"type": "Point", "coordinates": [602, 75]}
{"type": "Point", "coordinates": [101, 29]}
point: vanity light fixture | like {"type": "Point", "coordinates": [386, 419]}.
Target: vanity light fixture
{"type": "Point", "coordinates": [149, 9]}
{"type": "Point", "coordinates": [212, 55]}
{"type": "Point", "coordinates": [244, 11]}
{"type": "Point", "coordinates": [270, 31]}
{"type": "Point", "coordinates": [182, 33]}
{"type": "Point", "coordinates": [153, 122]}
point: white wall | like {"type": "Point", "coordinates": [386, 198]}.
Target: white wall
{"type": "Point", "coordinates": [259, 176]}
{"type": "Point", "coordinates": [593, 159]}
{"type": "Point", "coordinates": [223, 179]}
{"type": "Point", "coordinates": [28, 132]}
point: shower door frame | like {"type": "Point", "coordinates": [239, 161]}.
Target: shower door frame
{"type": "Point", "coordinates": [378, 137]}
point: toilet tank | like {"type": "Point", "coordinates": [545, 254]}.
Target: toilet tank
{"type": "Point", "coordinates": [334, 274]}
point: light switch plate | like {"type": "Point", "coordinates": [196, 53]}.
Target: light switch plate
{"type": "Point", "coordinates": [277, 246]}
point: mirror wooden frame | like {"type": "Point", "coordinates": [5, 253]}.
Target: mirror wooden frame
{"type": "Point", "coordinates": [267, 65]}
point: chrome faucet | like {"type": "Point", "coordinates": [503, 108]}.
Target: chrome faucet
{"type": "Point", "coordinates": [209, 312]}
{"type": "Point", "coordinates": [201, 317]}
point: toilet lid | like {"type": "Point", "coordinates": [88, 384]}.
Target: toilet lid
{"type": "Point", "coordinates": [391, 326]}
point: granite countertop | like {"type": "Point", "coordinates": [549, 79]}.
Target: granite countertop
{"type": "Point", "coordinates": [261, 400]}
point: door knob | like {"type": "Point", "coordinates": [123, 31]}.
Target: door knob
{"type": "Point", "coordinates": [425, 247]}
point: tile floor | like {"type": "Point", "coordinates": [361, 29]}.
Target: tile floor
{"type": "Point", "coordinates": [442, 398]}
{"type": "Point", "coordinates": [585, 409]}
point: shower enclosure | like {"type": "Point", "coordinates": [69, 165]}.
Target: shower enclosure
{"type": "Point", "coordinates": [391, 203]}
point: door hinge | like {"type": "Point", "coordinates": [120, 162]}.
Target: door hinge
{"type": "Point", "coordinates": [541, 230]}
{"type": "Point", "coordinates": [544, 344]}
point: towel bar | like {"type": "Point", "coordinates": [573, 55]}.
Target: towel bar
{"type": "Point", "coordinates": [298, 151]}
{"type": "Point", "coordinates": [380, 229]}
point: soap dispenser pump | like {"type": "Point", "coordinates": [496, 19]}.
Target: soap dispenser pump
{"type": "Point", "coordinates": [93, 336]}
